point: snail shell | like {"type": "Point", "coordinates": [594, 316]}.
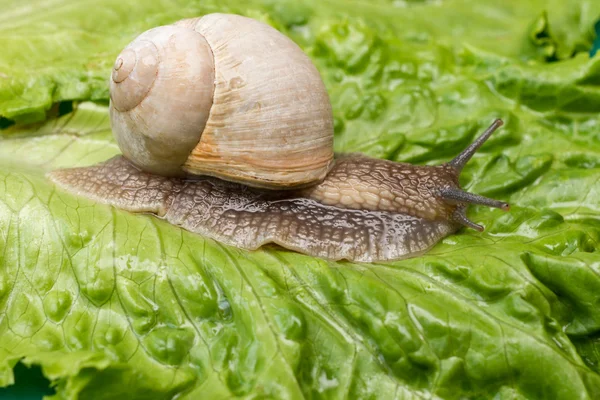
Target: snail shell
{"type": "Point", "coordinates": [226, 96]}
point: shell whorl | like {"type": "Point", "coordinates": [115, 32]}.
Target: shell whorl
{"type": "Point", "coordinates": [133, 74]}
{"type": "Point", "coordinates": [162, 87]}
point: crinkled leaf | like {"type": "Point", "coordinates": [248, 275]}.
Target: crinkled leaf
{"type": "Point", "coordinates": [115, 305]}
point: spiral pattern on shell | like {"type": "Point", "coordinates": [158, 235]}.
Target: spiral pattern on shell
{"type": "Point", "coordinates": [222, 95]}
{"type": "Point", "coordinates": [162, 88]}
{"type": "Point", "coordinates": [133, 75]}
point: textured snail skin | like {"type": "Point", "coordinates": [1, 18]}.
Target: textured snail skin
{"type": "Point", "coordinates": [364, 210]}
{"type": "Point", "coordinates": [364, 183]}
{"type": "Point", "coordinates": [250, 218]}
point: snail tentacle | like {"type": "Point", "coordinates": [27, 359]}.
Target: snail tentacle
{"type": "Point", "coordinates": [455, 194]}
{"type": "Point", "coordinates": [460, 216]}
{"type": "Point", "coordinates": [463, 158]}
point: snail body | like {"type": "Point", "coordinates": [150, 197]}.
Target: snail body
{"type": "Point", "coordinates": [253, 167]}
{"type": "Point", "coordinates": [246, 218]}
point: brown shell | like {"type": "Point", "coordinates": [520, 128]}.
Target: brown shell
{"type": "Point", "coordinates": [263, 115]}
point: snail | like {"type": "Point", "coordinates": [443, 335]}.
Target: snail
{"type": "Point", "coordinates": [226, 130]}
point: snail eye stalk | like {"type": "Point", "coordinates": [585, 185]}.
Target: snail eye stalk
{"type": "Point", "coordinates": [457, 195]}
{"type": "Point", "coordinates": [463, 158]}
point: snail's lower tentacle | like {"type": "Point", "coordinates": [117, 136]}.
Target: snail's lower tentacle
{"type": "Point", "coordinates": [460, 216]}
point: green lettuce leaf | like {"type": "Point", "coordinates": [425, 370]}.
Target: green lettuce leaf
{"type": "Point", "coordinates": [113, 305]}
